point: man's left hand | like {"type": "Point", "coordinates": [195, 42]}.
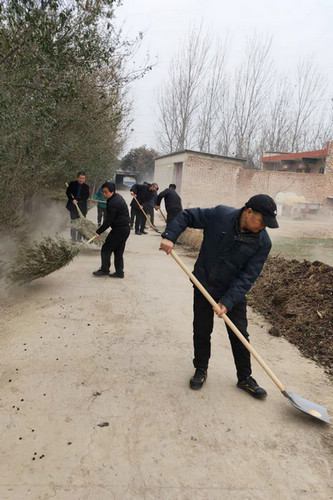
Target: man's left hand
{"type": "Point", "coordinates": [97, 235]}
{"type": "Point", "coordinates": [220, 310]}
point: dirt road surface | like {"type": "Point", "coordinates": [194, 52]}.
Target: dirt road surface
{"type": "Point", "coordinates": [95, 402]}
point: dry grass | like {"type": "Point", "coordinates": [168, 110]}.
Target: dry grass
{"type": "Point", "coordinates": [192, 238]}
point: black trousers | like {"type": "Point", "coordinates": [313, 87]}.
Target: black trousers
{"type": "Point", "coordinates": [75, 235]}
{"type": "Point", "coordinates": [203, 327]}
{"type": "Point", "coordinates": [171, 214]}
{"type": "Point", "coordinates": [133, 215]}
{"type": "Point", "coordinates": [100, 214]}
{"type": "Point", "coordinates": [115, 243]}
{"type": "Point", "coordinates": [140, 220]}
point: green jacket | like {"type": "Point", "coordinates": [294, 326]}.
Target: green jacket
{"type": "Point", "coordinates": [99, 196]}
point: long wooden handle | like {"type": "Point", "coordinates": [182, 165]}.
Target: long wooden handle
{"type": "Point", "coordinates": [162, 215]}
{"type": "Point", "coordinates": [228, 321]}
{"type": "Point", "coordinates": [144, 213]}
{"type": "Point", "coordinates": [77, 206]}
{"type": "Point", "coordinates": [97, 201]}
{"type": "Point", "coordinates": [91, 239]}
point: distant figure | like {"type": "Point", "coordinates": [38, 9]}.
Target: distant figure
{"type": "Point", "coordinates": [172, 200]}
{"type": "Point", "coordinates": [101, 206]}
{"type": "Point", "coordinates": [77, 194]}
{"type": "Point", "coordinates": [116, 217]}
{"type": "Point", "coordinates": [144, 193]}
{"type": "Point", "coordinates": [150, 206]}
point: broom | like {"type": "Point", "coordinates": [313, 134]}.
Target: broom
{"type": "Point", "coordinates": [85, 227]}
{"type": "Point", "coordinates": [148, 218]}
{"type": "Point", "coordinates": [42, 258]}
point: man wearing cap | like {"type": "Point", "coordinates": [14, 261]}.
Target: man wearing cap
{"type": "Point", "coordinates": [234, 249]}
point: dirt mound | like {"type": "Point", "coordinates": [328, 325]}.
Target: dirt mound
{"type": "Point", "coordinates": [297, 298]}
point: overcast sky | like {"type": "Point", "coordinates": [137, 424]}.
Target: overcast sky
{"type": "Point", "coordinates": [300, 28]}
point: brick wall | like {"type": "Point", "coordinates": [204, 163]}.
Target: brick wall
{"type": "Point", "coordinates": [314, 187]}
{"type": "Point", "coordinates": [165, 170]}
{"type": "Point", "coordinates": [329, 160]}
{"type": "Point", "coordinates": [209, 181]}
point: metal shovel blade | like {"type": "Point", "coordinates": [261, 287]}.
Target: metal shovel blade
{"type": "Point", "coordinates": [312, 409]}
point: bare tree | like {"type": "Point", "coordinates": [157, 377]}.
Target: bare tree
{"type": "Point", "coordinates": [252, 87]}
{"type": "Point", "coordinates": [212, 98]}
{"type": "Point", "coordinates": [179, 98]}
{"type": "Point", "coordinates": [277, 123]}
{"type": "Point", "coordinates": [225, 144]}
{"type": "Point", "coordinates": [203, 107]}
{"type": "Point", "coordinates": [310, 88]}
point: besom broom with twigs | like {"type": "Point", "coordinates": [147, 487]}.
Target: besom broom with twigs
{"type": "Point", "coordinates": [87, 229]}
{"type": "Point", "coordinates": [41, 258]}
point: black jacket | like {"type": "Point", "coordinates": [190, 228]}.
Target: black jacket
{"type": "Point", "coordinates": [172, 200]}
{"type": "Point", "coordinates": [71, 193]}
{"type": "Point", "coordinates": [116, 213]}
{"type": "Point", "coordinates": [143, 195]}
{"type": "Point", "coordinates": [229, 261]}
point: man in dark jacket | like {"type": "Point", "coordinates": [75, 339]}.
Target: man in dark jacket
{"type": "Point", "coordinates": [77, 194]}
{"type": "Point", "coordinates": [234, 249]}
{"type": "Point", "coordinates": [116, 217]}
{"type": "Point", "coordinates": [144, 193]}
{"type": "Point", "coordinates": [172, 200]}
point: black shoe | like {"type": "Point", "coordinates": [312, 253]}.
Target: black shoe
{"type": "Point", "coordinates": [138, 233]}
{"type": "Point", "coordinates": [100, 272]}
{"type": "Point", "coordinates": [144, 232]}
{"type": "Point", "coordinates": [250, 385]}
{"type": "Point", "coordinates": [198, 379]}
{"type": "Point", "coordinates": [117, 275]}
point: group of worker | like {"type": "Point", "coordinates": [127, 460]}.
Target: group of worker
{"type": "Point", "coordinates": [234, 249]}
{"type": "Point", "coordinates": [112, 212]}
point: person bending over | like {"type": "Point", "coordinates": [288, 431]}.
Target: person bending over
{"type": "Point", "coordinates": [234, 249]}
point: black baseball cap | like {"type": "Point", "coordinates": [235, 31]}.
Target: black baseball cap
{"type": "Point", "coordinates": [266, 206]}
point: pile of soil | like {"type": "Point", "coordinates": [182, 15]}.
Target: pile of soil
{"type": "Point", "coordinates": [297, 299]}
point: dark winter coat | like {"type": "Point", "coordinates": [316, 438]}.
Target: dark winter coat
{"type": "Point", "coordinates": [172, 200]}
{"type": "Point", "coordinates": [116, 213]}
{"type": "Point", "coordinates": [71, 193]}
{"type": "Point", "coordinates": [229, 261]}
{"type": "Point", "coordinates": [143, 194]}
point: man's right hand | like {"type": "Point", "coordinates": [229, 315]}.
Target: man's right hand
{"type": "Point", "coordinates": [167, 245]}
{"type": "Point", "coordinates": [74, 202]}
{"type": "Point", "coordinates": [133, 194]}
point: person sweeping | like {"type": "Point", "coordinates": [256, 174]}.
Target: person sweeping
{"type": "Point", "coordinates": [116, 217]}
{"type": "Point", "coordinates": [234, 249]}
{"type": "Point", "coordinates": [144, 194]}
{"type": "Point", "coordinates": [77, 193]}
{"type": "Point", "coordinates": [172, 201]}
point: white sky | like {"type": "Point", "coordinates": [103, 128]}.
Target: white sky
{"type": "Point", "coordinates": [300, 28]}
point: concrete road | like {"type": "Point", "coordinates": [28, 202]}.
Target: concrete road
{"type": "Point", "coordinates": [95, 402]}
